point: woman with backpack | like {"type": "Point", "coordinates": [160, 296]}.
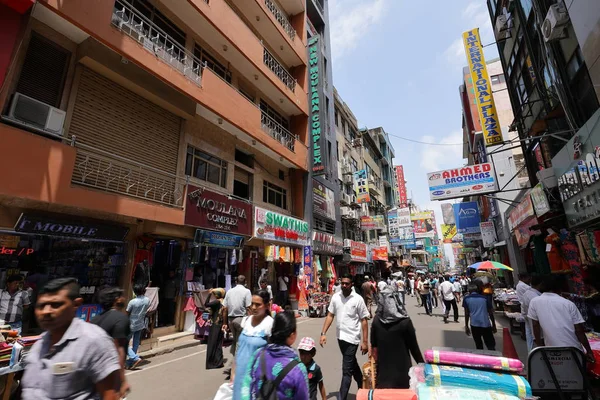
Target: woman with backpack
{"type": "Point", "coordinates": [277, 372]}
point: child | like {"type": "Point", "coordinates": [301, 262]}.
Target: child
{"type": "Point", "coordinates": [307, 350]}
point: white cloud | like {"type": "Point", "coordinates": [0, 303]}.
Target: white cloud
{"type": "Point", "coordinates": [350, 20]}
{"type": "Point", "coordinates": [435, 158]}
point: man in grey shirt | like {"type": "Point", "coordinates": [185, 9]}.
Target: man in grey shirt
{"type": "Point", "coordinates": [74, 360]}
{"type": "Point", "coordinates": [236, 303]}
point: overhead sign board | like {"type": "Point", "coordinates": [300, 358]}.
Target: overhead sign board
{"type": "Point", "coordinates": [460, 182]}
{"type": "Point", "coordinates": [467, 217]}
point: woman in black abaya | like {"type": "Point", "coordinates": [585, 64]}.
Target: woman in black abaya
{"type": "Point", "coordinates": [214, 346]}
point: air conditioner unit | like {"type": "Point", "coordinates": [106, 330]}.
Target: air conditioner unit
{"type": "Point", "coordinates": [556, 19]}
{"type": "Point", "coordinates": [348, 179]}
{"type": "Point", "coordinates": [345, 198]}
{"type": "Point", "coordinates": [547, 178]}
{"type": "Point", "coordinates": [33, 113]}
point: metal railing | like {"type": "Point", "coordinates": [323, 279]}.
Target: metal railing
{"type": "Point", "coordinates": [276, 130]}
{"type": "Point", "coordinates": [281, 18]}
{"type": "Point", "coordinates": [279, 70]}
{"type": "Point", "coordinates": [135, 25]}
{"type": "Point", "coordinates": [105, 171]}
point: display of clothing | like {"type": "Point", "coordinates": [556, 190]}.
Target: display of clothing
{"type": "Point", "coordinates": [557, 262]}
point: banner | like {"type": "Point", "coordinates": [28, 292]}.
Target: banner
{"type": "Point", "coordinates": [448, 214]}
{"type": "Point", "coordinates": [490, 124]}
{"type": "Point", "coordinates": [467, 217]}
{"type": "Point", "coordinates": [424, 224]}
{"type": "Point", "coordinates": [361, 187]}
{"type": "Point", "coordinates": [368, 223]}
{"type": "Point", "coordinates": [448, 232]}
{"type": "Point", "coordinates": [323, 201]}
{"type": "Point", "coordinates": [380, 254]}
{"type": "Point", "coordinates": [406, 235]}
{"type": "Point", "coordinates": [404, 217]}
{"type": "Point", "coordinates": [488, 233]}
{"type": "Point", "coordinates": [431, 249]}
{"type": "Point", "coordinates": [317, 128]}
{"type": "Point", "coordinates": [358, 250]}
{"type": "Point", "coordinates": [393, 223]}
{"type": "Point", "coordinates": [308, 263]}
{"type": "Point", "coordinates": [460, 182]}
{"type": "Point", "coordinates": [401, 185]}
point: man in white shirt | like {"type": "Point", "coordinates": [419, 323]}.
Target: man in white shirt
{"type": "Point", "coordinates": [530, 294]}
{"type": "Point", "coordinates": [351, 314]}
{"type": "Point", "coordinates": [381, 285]}
{"type": "Point", "coordinates": [283, 281]}
{"type": "Point", "coordinates": [457, 289]}
{"type": "Point", "coordinates": [425, 293]}
{"type": "Point", "coordinates": [447, 293]}
{"type": "Point", "coordinates": [236, 303]}
{"type": "Point", "coordinates": [558, 318]}
{"type": "Point", "coordinates": [523, 285]}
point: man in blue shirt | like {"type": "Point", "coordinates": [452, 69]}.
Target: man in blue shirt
{"type": "Point", "coordinates": [137, 309]}
{"type": "Point", "coordinates": [480, 311]}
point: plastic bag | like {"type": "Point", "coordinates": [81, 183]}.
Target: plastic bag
{"type": "Point", "coordinates": [473, 360]}
{"type": "Point", "coordinates": [225, 392]}
{"type": "Point", "coordinates": [425, 392]}
{"type": "Point", "coordinates": [417, 376]}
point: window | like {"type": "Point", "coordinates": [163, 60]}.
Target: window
{"type": "Point", "coordinates": [336, 116]}
{"type": "Point", "coordinates": [244, 158]}
{"type": "Point", "coordinates": [242, 184]}
{"type": "Point", "coordinates": [343, 127]}
{"type": "Point", "coordinates": [354, 165]}
{"type": "Point", "coordinates": [497, 79]}
{"type": "Point", "coordinates": [274, 115]}
{"type": "Point", "coordinates": [337, 150]}
{"type": "Point", "coordinates": [274, 195]}
{"type": "Point", "coordinates": [150, 12]}
{"type": "Point", "coordinates": [205, 167]}
{"type": "Point", "coordinates": [212, 63]}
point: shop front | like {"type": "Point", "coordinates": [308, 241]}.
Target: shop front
{"type": "Point", "coordinates": [522, 222]}
{"type": "Point", "coordinates": [355, 257]}
{"type": "Point", "coordinates": [281, 241]}
{"type": "Point", "coordinates": [43, 246]}
{"type": "Point", "coordinates": [326, 248]}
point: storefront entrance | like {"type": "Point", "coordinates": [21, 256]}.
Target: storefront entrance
{"type": "Point", "coordinates": [166, 276]}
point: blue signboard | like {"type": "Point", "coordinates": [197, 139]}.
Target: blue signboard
{"type": "Point", "coordinates": [217, 239]}
{"type": "Point", "coordinates": [467, 217]}
{"type": "Point", "coordinates": [410, 246]}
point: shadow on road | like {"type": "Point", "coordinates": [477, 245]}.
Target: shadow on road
{"type": "Point", "coordinates": [335, 395]}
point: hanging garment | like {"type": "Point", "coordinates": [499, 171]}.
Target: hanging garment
{"type": "Point", "coordinates": [269, 253]}
{"type": "Point", "coordinates": [555, 257]}
{"type": "Point", "coordinates": [233, 258]}
{"type": "Point", "coordinates": [240, 255]}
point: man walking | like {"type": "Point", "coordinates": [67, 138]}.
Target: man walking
{"type": "Point", "coordinates": [73, 359]}
{"type": "Point", "coordinates": [447, 293]}
{"type": "Point", "coordinates": [235, 305]}
{"type": "Point", "coordinates": [283, 294]}
{"type": "Point", "coordinates": [367, 294]}
{"type": "Point", "coordinates": [434, 291]}
{"type": "Point", "coordinates": [523, 286]}
{"type": "Point", "coordinates": [12, 303]}
{"type": "Point", "coordinates": [480, 311]}
{"type": "Point", "coordinates": [136, 309]}
{"type": "Point", "coordinates": [457, 288]}
{"type": "Point", "coordinates": [350, 312]}
{"type": "Point", "coordinates": [425, 292]}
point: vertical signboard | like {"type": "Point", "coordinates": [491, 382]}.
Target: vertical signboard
{"type": "Point", "coordinates": [402, 196]}
{"type": "Point", "coordinates": [361, 187]}
{"type": "Point", "coordinates": [404, 217]}
{"type": "Point", "coordinates": [490, 124]}
{"type": "Point", "coordinates": [488, 233]}
{"type": "Point", "coordinates": [317, 121]}
{"type": "Point", "coordinates": [467, 217]}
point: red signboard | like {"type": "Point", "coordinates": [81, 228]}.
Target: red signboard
{"type": "Point", "coordinates": [402, 196]}
{"type": "Point", "coordinates": [211, 210]}
{"type": "Point", "coordinates": [358, 250]}
{"type": "Point", "coordinates": [380, 254]}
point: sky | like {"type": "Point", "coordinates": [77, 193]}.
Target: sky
{"type": "Point", "coordinates": [398, 64]}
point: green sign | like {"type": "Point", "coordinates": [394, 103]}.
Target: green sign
{"type": "Point", "coordinates": [285, 222]}
{"type": "Point", "coordinates": [315, 104]}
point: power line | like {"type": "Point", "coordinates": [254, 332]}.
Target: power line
{"type": "Point", "coordinates": [428, 143]}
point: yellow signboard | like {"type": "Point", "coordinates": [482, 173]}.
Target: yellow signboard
{"type": "Point", "coordinates": [490, 123]}
{"type": "Point", "coordinates": [448, 232]}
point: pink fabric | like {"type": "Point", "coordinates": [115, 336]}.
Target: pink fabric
{"type": "Point", "coordinates": [386, 394]}
{"type": "Point", "coordinates": [473, 360]}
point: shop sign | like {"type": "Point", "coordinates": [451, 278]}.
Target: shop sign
{"type": "Point", "coordinates": [521, 212]}
{"type": "Point", "coordinates": [324, 243]}
{"type": "Point", "coordinates": [361, 187]}
{"type": "Point", "coordinates": [401, 184]}
{"type": "Point", "coordinates": [467, 217]}
{"type": "Point", "coordinates": [565, 367]}
{"type": "Point", "coordinates": [490, 125]}
{"type": "Point", "coordinates": [539, 200]}
{"type": "Point", "coordinates": [404, 217]}
{"type": "Point", "coordinates": [323, 201]}
{"type": "Point", "coordinates": [358, 250]}
{"type": "Point", "coordinates": [218, 239]}
{"type": "Point", "coordinates": [58, 226]}
{"type": "Point", "coordinates": [423, 224]}
{"type": "Point", "coordinates": [523, 232]}
{"type": "Point", "coordinates": [368, 223]}
{"type": "Point", "coordinates": [406, 235]}
{"type": "Point", "coordinates": [307, 262]}
{"type": "Point", "coordinates": [448, 232]}
{"type": "Point", "coordinates": [393, 226]}
{"type": "Point", "coordinates": [488, 233]}
{"type": "Point", "coordinates": [211, 210]}
{"type": "Point", "coordinates": [460, 182]}
{"type": "Point", "coordinates": [318, 133]}
{"type": "Point", "coordinates": [448, 213]}
{"type": "Point", "coordinates": [431, 249]}
{"type": "Point", "coordinates": [269, 225]}
{"type": "Point", "coordinates": [16, 251]}
{"type": "Point", "coordinates": [380, 253]}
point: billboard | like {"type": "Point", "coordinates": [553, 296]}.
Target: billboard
{"type": "Point", "coordinates": [406, 236]}
{"type": "Point", "coordinates": [380, 253]}
{"type": "Point", "coordinates": [448, 213]}
{"type": "Point", "coordinates": [490, 123]}
{"type": "Point", "coordinates": [402, 196]}
{"type": "Point", "coordinates": [361, 187]}
{"type": "Point", "coordinates": [404, 217]}
{"type": "Point", "coordinates": [393, 223]}
{"type": "Point", "coordinates": [488, 233]}
{"type": "Point", "coordinates": [448, 232]}
{"type": "Point", "coordinates": [317, 128]}
{"type": "Point", "coordinates": [323, 201]}
{"type": "Point", "coordinates": [424, 224]}
{"type": "Point", "coordinates": [368, 223]}
{"type": "Point", "coordinates": [467, 217]}
{"type": "Point", "coordinates": [460, 182]}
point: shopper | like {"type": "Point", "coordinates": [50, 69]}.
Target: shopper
{"type": "Point", "coordinates": [236, 303]}
{"type": "Point", "coordinates": [558, 319]}
{"type": "Point", "coordinates": [417, 293]}
{"type": "Point", "coordinates": [523, 285]}
{"type": "Point", "coordinates": [214, 346]}
{"type": "Point", "coordinates": [447, 293]}
{"type": "Point", "coordinates": [351, 314]}
{"type": "Point", "coordinates": [457, 289]}
{"type": "Point", "coordinates": [531, 293]}
{"type": "Point", "coordinates": [264, 285]}
{"type": "Point", "coordinates": [393, 340]}
{"type": "Point", "coordinates": [136, 309]}
{"type": "Point", "coordinates": [276, 370]}
{"type": "Point", "coordinates": [12, 303]}
{"type": "Point", "coordinates": [82, 354]}
{"type": "Point", "coordinates": [367, 293]}
{"type": "Point", "coordinates": [307, 350]}
{"type": "Point", "coordinates": [425, 293]}
{"type": "Point", "coordinates": [283, 294]}
{"type": "Point", "coordinates": [256, 330]}
{"type": "Point", "coordinates": [480, 312]}
{"type": "Point", "coordinates": [434, 291]}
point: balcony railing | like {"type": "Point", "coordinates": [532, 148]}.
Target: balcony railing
{"type": "Point", "coordinates": [281, 18]}
{"type": "Point", "coordinates": [108, 172]}
{"type": "Point", "coordinates": [135, 25]}
{"type": "Point", "coordinates": [276, 130]}
{"type": "Point", "coordinates": [279, 70]}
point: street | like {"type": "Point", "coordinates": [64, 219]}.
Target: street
{"type": "Point", "coordinates": [181, 374]}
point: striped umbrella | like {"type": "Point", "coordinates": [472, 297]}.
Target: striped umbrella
{"type": "Point", "coordinates": [486, 265]}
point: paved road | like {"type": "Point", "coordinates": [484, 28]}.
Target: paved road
{"type": "Point", "coordinates": [181, 374]}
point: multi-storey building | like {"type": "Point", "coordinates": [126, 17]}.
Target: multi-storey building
{"type": "Point", "coordinates": [141, 133]}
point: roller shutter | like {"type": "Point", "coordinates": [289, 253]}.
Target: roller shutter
{"type": "Point", "coordinates": [111, 118]}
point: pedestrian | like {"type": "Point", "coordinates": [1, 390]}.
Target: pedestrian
{"type": "Point", "coordinates": [523, 285]}
{"type": "Point", "coordinates": [256, 330]}
{"type": "Point", "coordinates": [425, 293]}
{"type": "Point", "coordinates": [236, 303]}
{"type": "Point", "coordinates": [116, 324]}
{"type": "Point", "coordinates": [351, 314]}
{"type": "Point", "coordinates": [214, 346]}
{"type": "Point", "coordinates": [367, 294]}
{"type": "Point", "coordinates": [73, 359]}
{"type": "Point", "coordinates": [382, 284]}
{"type": "Point", "coordinates": [264, 285]}
{"type": "Point", "coordinates": [401, 289]}
{"type": "Point", "coordinates": [393, 340]}
{"type": "Point", "coordinates": [480, 312]}
{"type": "Point", "coordinates": [276, 370]}
{"type": "Point", "coordinates": [434, 292]}
{"type": "Point", "coordinates": [417, 293]}
{"type": "Point", "coordinates": [136, 309]}
{"type": "Point", "coordinates": [283, 282]}
{"type": "Point", "coordinates": [531, 293]}
{"type": "Point", "coordinates": [447, 294]}
{"type": "Point", "coordinates": [464, 285]}
{"type": "Point", "coordinates": [337, 287]}
{"type": "Point", "coordinates": [12, 303]}
{"type": "Point", "coordinates": [307, 350]}
{"type": "Point", "coordinates": [558, 319]}
{"type": "Point", "coordinates": [457, 289]}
